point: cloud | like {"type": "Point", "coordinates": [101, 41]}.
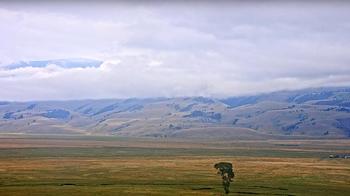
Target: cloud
{"type": "Point", "coordinates": [153, 50]}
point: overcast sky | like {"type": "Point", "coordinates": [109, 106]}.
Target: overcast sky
{"type": "Point", "coordinates": [159, 49]}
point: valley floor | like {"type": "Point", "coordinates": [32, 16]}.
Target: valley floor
{"type": "Point", "coordinates": [123, 166]}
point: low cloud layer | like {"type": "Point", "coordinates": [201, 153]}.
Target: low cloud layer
{"type": "Point", "coordinates": [164, 49]}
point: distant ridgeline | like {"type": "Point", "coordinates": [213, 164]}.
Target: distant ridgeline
{"type": "Point", "coordinates": [64, 63]}
{"type": "Point", "coordinates": [321, 113]}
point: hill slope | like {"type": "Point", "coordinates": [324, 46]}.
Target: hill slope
{"type": "Point", "coordinates": [323, 112]}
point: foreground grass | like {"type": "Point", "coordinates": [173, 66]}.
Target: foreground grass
{"type": "Point", "coordinates": [168, 171]}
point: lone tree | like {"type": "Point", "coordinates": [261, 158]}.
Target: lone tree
{"type": "Point", "coordinates": [226, 171]}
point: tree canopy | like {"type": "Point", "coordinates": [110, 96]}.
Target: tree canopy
{"type": "Point", "coordinates": [225, 169]}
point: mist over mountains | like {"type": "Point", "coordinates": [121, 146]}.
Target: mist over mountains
{"type": "Point", "coordinates": [64, 63]}
{"type": "Point", "coordinates": [321, 112]}
{"type": "Point", "coordinates": [312, 112]}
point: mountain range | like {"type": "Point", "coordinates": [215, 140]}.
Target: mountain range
{"type": "Point", "coordinates": [64, 63]}
{"type": "Point", "coordinates": [307, 113]}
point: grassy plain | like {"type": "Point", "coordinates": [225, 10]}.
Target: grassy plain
{"type": "Point", "coordinates": [121, 166]}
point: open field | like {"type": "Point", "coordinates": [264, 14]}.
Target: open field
{"type": "Point", "coordinates": [121, 166]}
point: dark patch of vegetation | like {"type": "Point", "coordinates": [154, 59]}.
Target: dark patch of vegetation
{"type": "Point", "coordinates": [32, 106]}
{"type": "Point", "coordinates": [292, 127]}
{"type": "Point", "coordinates": [68, 184]}
{"type": "Point", "coordinates": [291, 107]}
{"type": "Point", "coordinates": [343, 110]}
{"type": "Point", "coordinates": [225, 169]}
{"type": "Point", "coordinates": [203, 188]}
{"type": "Point", "coordinates": [248, 193]}
{"type": "Point", "coordinates": [346, 104]}
{"type": "Point", "coordinates": [173, 127]}
{"type": "Point", "coordinates": [8, 115]}
{"type": "Point", "coordinates": [336, 102]}
{"type": "Point", "coordinates": [106, 184]}
{"type": "Point", "coordinates": [188, 108]}
{"type": "Point", "coordinates": [195, 114]}
{"type": "Point", "coordinates": [344, 124]}
{"type": "Point", "coordinates": [119, 128]}
{"type": "Point", "coordinates": [107, 109]}
{"type": "Point", "coordinates": [328, 109]}
{"type": "Point", "coordinates": [268, 187]}
{"type": "Point", "coordinates": [209, 115]}
{"type": "Point", "coordinates": [203, 100]}
{"type": "Point", "coordinates": [176, 106]}
{"type": "Point", "coordinates": [81, 107]}
{"type": "Point", "coordinates": [11, 115]}
{"type": "Point", "coordinates": [57, 113]}
{"type": "Point", "coordinates": [255, 193]}
{"type": "Point", "coordinates": [134, 108]}
{"type": "Point", "coordinates": [302, 117]}
{"type": "Point", "coordinates": [239, 101]}
{"type": "Point", "coordinates": [117, 108]}
{"type": "Point", "coordinates": [286, 145]}
{"type": "Point", "coordinates": [313, 96]}
{"type": "Point", "coordinates": [329, 102]}
{"type": "Point", "coordinates": [342, 156]}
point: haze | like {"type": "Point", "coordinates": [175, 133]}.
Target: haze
{"type": "Point", "coordinates": [158, 49]}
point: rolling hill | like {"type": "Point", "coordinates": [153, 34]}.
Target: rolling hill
{"type": "Point", "coordinates": [322, 113]}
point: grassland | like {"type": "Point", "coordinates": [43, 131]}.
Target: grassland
{"type": "Point", "coordinates": [122, 166]}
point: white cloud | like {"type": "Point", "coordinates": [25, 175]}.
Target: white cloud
{"type": "Point", "coordinates": [173, 49]}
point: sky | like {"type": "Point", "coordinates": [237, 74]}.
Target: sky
{"type": "Point", "coordinates": [172, 49]}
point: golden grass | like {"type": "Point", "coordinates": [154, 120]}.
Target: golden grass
{"type": "Point", "coordinates": [79, 168]}
{"type": "Point", "coordinates": [181, 174]}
